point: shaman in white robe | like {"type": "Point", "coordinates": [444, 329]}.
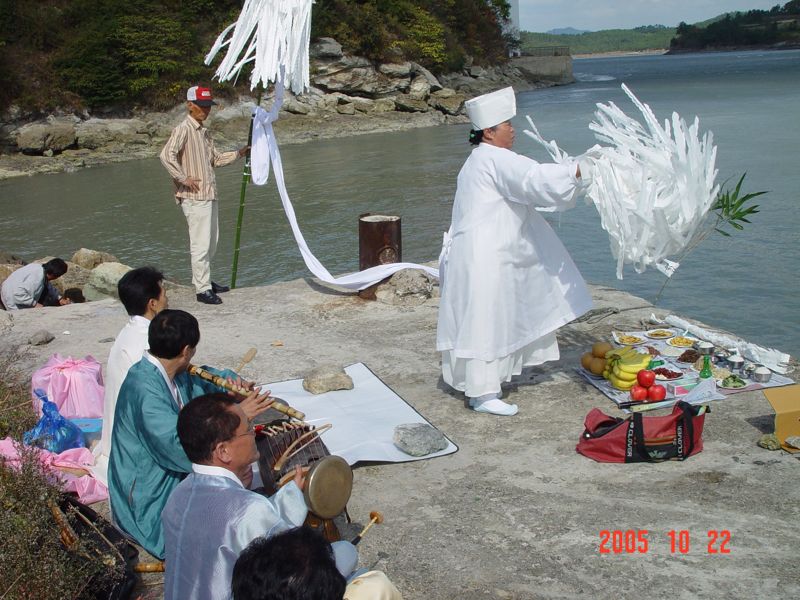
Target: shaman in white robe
{"type": "Point", "coordinates": [23, 287]}
{"type": "Point", "coordinates": [127, 350]}
{"type": "Point", "coordinates": [507, 282]}
{"type": "Point", "coordinates": [208, 520]}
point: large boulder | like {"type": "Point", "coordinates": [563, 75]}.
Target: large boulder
{"type": "Point", "coordinates": [356, 76]}
{"type": "Point", "coordinates": [103, 281]}
{"type": "Point", "coordinates": [325, 48]}
{"type": "Point", "coordinates": [396, 69]}
{"type": "Point", "coordinates": [8, 258]}
{"type": "Point", "coordinates": [292, 105]}
{"type": "Point", "coordinates": [89, 259]}
{"type": "Point", "coordinates": [447, 101]}
{"type": "Point", "coordinates": [419, 70]}
{"type": "Point", "coordinates": [6, 321]}
{"type": "Point", "coordinates": [96, 133]}
{"type": "Point", "coordinates": [407, 103]}
{"type": "Point", "coordinates": [54, 135]}
{"type": "Point", "coordinates": [419, 88]}
{"type": "Point", "coordinates": [75, 277]}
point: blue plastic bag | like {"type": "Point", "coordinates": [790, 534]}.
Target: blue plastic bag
{"type": "Point", "coordinates": [53, 432]}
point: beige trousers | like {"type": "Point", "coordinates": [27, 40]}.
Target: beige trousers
{"type": "Point", "coordinates": [202, 219]}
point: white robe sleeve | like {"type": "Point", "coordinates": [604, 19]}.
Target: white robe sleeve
{"type": "Point", "coordinates": [549, 186]}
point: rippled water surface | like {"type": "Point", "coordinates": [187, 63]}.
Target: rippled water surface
{"type": "Point", "coordinates": [747, 283]}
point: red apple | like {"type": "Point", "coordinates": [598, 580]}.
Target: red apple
{"type": "Point", "coordinates": [638, 393]}
{"type": "Point", "coordinates": [646, 378]}
{"type": "Point", "coordinates": [656, 392]}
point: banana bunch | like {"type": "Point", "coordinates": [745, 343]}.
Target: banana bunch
{"type": "Point", "coordinates": [622, 365]}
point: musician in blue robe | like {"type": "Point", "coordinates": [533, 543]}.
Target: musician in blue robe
{"type": "Point", "coordinates": [147, 461]}
{"type": "Point", "coordinates": [211, 516]}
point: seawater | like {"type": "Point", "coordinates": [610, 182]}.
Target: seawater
{"type": "Point", "coordinates": [747, 283]}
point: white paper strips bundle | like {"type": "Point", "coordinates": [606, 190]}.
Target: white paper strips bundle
{"type": "Point", "coordinates": [274, 34]}
{"type": "Point", "coordinates": [653, 186]}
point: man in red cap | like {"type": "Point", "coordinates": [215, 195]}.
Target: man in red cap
{"type": "Point", "coordinates": [190, 157]}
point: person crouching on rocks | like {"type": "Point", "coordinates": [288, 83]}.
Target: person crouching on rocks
{"type": "Point", "coordinates": [30, 287]}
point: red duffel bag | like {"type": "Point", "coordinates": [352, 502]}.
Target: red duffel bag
{"type": "Point", "coordinates": [637, 438]}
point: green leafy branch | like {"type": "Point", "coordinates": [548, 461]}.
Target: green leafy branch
{"type": "Point", "coordinates": [732, 210]}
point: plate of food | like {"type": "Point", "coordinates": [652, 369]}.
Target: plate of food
{"type": "Point", "coordinates": [627, 339]}
{"type": "Point", "coordinates": [732, 382]}
{"type": "Point", "coordinates": [688, 356]}
{"type": "Point", "coordinates": [682, 341]}
{"type": "Point", "coordinates": [667, 374]}
{"type": "Point", "coordinates": [660, 334]}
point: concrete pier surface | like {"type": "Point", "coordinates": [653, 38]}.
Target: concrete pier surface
{"type": "Point", "coordinates": [516, 512]}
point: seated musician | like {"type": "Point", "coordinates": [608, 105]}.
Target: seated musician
{"type": "Point", "coordinates": [211, 516]}
{"type": "Point", "coordinates": [298, 565]}
{"type": "Point", "coordinates": [147, 461]}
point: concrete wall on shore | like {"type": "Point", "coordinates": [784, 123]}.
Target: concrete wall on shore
{"type": "Point", "coordinates": [557, 69]}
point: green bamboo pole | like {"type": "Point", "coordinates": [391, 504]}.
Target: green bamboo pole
{"type": "Point", "coordinates": [242, 194]}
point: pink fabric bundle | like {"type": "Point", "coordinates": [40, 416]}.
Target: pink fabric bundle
{"type": "Point", "coordinates": [88, 488]}
{"type": "Point", "coordinates": [74, 385]}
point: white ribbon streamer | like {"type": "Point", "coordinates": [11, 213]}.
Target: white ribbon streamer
{"type": "Point", "coordinates": [265, 150]}
{"type": "Point", "coordinates": [274, 34]}
{"type": "Point", "coordinates": [653, 186]}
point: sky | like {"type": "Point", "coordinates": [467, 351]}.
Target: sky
{"type": "Point", "coordinates": [594, 15]}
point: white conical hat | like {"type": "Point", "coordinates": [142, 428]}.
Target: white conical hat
{"type": "Point", "coordinates": [492, 109]}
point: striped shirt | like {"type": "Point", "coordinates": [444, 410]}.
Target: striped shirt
{"type": "Point", "coordinates": [190, 152]}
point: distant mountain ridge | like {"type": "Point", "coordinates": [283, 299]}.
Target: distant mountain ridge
{"type": "Point", "coordinates": [568, 31]}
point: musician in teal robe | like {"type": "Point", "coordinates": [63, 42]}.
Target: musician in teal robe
{"type": "Point", "coordinates": [147, 461]}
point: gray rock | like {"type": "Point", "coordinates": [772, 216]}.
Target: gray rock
{"type": "Point", "coordinates": [297, 108]}
{"type": "Point", "coordinates": [48, 153]}
{"type": "Point", "coordinates": [409, 287]}
{"type": "Point", "coordinates": [96, 133]}
{"type": "Point", "coordinates": [325, 48]}
{"type": "Point", "coordinates": [41, 337]}
{"type": "Point", "coordinates": [793, 441]}
{"type": "Point", "coordinates": [357, 77]}
{"type": "Point", "coordinates": [444, 93]}
{"type": "Point", "coordinates": [327, 378]}
{"type": "Point", "coordinates": [36, 138]}
{"type": "Point", "coordinates": [420, 88]}
{"type": "Point", "coordinates": [6, 321]}
{"type": "Point", "coordinates": [476, 71]}
{"type": "Point", "coordinates": [103, 281]}
{"type": "Point", "coordinates": [396, 69]}
{"type": "Point", "coordinates": [405, 103]}
{"type": "Point", "coordinates": [448, 104]}
{"type": "Point", "coordinates": [384, 105]}
{"type": "Point", "coordinates": [365, 105]}
{"type": "Point", "coordinates": [418, 439]}
{"type": "Point", "coordinates": [346, 109]}
{"type": "Point", "coordinates": [75, 277]}
{"type": "Point", "coordinates": [433, 82]}
{"type": "Point", "coordinates": [89, 259]}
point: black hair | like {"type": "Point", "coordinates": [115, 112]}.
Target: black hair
{"type": "Point", "coordinates": [74, 295]}
{"type": "Point", "coordinates": [137, 287]}
{"type": "Point", "coordinates": [475, 136]}
{"type": "Point", "coordinates": [170, 331]}
{"type": "Point", "coordinates": [294, 565]}
{"type": "Point", "coordinates": [55, 267]}
{"type": "Point", "coordinates": [205, 422]}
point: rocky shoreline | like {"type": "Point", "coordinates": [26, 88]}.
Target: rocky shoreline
{"type": "Point", "coordinates": [349, 95]}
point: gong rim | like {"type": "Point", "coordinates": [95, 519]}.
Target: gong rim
{"type": "Point", "coordinates": [328, 486]}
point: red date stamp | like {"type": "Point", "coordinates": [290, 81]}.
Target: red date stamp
{"type": "Point", "coordinates": [637, 541]}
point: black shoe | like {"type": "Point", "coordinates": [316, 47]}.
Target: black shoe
{"type": "Point", "coordinates": [219, 289]}
{"type": "Point", "coordinates": [209, 297]}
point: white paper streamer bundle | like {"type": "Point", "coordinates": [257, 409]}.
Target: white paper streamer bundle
{"type": "Point", "coordinates": [273, 34]}
{"type": "Point", "coordinates": [653, 186]}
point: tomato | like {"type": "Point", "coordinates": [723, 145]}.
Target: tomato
{"type": "Point", "coordinates": [638, 393]}
{"type": "Point", "coordinates": [646, 378]}
{"type": "Point", "coordinates": [656, 392]}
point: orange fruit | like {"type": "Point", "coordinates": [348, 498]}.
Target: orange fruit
{"type": "Point", "coordinates": [597, 366]}
{"type": "Point", "coordinates": [586, 360]}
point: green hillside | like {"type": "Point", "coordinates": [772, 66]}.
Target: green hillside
{"type": "Point", "coordinates": [115, 54]}
{"type": "Point", "coordinates": [610, 40]}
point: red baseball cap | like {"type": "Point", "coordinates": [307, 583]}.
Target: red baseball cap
{"type": "Point", "coordinates": [200, 95]}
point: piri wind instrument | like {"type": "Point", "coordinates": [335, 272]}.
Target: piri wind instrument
{"type": "Point", "coordinates": [223, 383]}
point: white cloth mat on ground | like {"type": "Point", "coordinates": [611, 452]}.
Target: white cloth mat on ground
{"type": "Point", "coordinates": [363, 418]}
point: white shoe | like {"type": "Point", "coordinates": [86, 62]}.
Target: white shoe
{"type": "Point", "coordinates": [494, 406]}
